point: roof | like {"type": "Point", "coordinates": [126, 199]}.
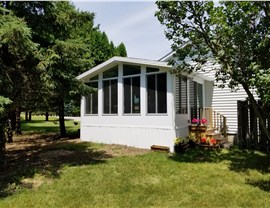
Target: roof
{"type": "Point", "coordinates": [116, 59]}
{"type": "Point", "coordinates": [126, 60]}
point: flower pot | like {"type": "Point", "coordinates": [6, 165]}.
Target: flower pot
{"type": "Point", "coordinates": [197, 128]}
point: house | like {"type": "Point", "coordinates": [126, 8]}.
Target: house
{"type": "Point", "coordinates": [139, 103]}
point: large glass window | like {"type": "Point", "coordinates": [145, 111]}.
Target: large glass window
{"type": "Point", "coordinates": [131, 70]}
{"type": "Point", "coordinates": [181, 95]}
{"type": "Point", "coordinates": [110, 73]}
{"type": "Point", "coordinates": [110, 98]}
{"type": "Point", "coordinates": [91, 101]}
{"type": "Point", "coordinates": [132, 95]}
{"type": "Point", "coordinates": [151, 69]}
{"type": "Point", "coordinates": [157, 93]}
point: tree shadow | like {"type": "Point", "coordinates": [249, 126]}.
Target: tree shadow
{"type": "Point", "coordinates": [238, 161]}
{"type": "Point", "coordinates": [44, 155]}
{"type": "Point", "coordinates": [261, 184]}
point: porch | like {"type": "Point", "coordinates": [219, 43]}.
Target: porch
{"type": "Point", "coordinates": [210, 128]}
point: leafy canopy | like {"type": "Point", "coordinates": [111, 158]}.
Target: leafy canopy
{"type": "Point", "coordinates": [234, 34]}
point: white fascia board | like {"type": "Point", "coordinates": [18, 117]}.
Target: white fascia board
{"type": "Point", "coordinates": [124, 60]}
{"type": "Point", "coordinates": [96, 68]}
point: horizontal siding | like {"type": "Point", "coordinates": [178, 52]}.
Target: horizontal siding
{"type": "Point", "coordinates": [223, 100]}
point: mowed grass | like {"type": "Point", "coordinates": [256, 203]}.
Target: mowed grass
{"type": "Point", "coordinates": [87, 176]}
{"type": "Point", "coordinates": [39, 125]}
{"type": "Point", "coordinates": [227, 179]}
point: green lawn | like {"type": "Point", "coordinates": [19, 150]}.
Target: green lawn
{"type": "Point", "coordinates": [38, 124]}
{"type": "Point", "coordinates": [92, 175]}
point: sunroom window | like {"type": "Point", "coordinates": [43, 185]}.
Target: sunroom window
{"type": "Point", "coordinates": [91, 100]}
{"type": "Point", "coordinates": [110, 96]}
{"type": "Point", "coordinates": [110, 91]}
{"type": "Point", "coordinates": [132, 98]}
{"type": "Point", "coordinates": [157, 93]}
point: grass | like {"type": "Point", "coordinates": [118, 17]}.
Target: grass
{"type": "Point", "coordinates": [85, 175]}
{"type": "Point", "coordinates": [39, 125]}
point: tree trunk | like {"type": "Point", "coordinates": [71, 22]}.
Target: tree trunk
{"type": "Point", "coordinates": [2, 143]}
{"type": "Point", "coordinates": [62, 118]}
{"type": "Point", "coordinates": [9, 132]}
{"type": "Point", "coordinates": [26, 115]}
{"type": "Point", "coordinates": [256, 111]}
{"type": "Point", "coordinates": [30, 116]}
{"type": "Point", "coordinates": [12, 116]}
{"type": "Point", "coordinates": [18, 122]}
{"type": "Point", "coordinates": [47, 116]}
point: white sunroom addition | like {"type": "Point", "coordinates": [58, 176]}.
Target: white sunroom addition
{"type": "Point", "coordinates": [138, 103]}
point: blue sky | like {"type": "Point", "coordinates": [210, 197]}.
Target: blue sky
{"type": "Point", "coordinates": [130, 22]}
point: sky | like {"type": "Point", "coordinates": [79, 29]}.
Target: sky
{"type": "Point", "coordinates": [130, 22]}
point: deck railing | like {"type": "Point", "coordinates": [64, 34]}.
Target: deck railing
{"type": "Point", "coordinates": [215, 120]}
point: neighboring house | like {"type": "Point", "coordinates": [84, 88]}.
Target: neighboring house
{"type": "Point", "coordinates": [140, 103]}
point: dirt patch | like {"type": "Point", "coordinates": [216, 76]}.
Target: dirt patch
{"type": "Point", "coordinates": [38, 158]}
{"type": "Point", "coordinates": [40, 151]}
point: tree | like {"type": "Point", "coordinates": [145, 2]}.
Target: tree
{"type": "Point", "coordinates": [69, 44]}
{"type": "Point", "coordinates": [19, 60]}
{"type": "Point", "coordinates": [121, 50]}
{"type": "Point", "coordinates": [234, 34]}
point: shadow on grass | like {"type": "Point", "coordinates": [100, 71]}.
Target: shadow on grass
{"type": "Point", "coordinates": [238, 161]}
{"type": "Point", "coordinates": [45, 155]}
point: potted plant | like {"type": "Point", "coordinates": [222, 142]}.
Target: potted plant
{"type": "Point", "coordinates": [192, 140]}
{"type": "Point", "coordinates": [198, 124]}
{"type": "Point", "coordinates": [179, 145]}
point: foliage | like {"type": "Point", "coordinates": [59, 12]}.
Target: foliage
{"type": "Point", "coordinates": [233, 34]}
{"type": "Point", "coordinates": [178, 140]}
{"type": "Point", "coordinates": [3, 102]}
{"type": "Point", "coordinates": [69, 44]}
{"type": "Point", "coordinates": [121, 50]}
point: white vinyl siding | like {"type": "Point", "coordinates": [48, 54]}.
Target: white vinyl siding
{"type": "Point", "coordinates": [223, 100]}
